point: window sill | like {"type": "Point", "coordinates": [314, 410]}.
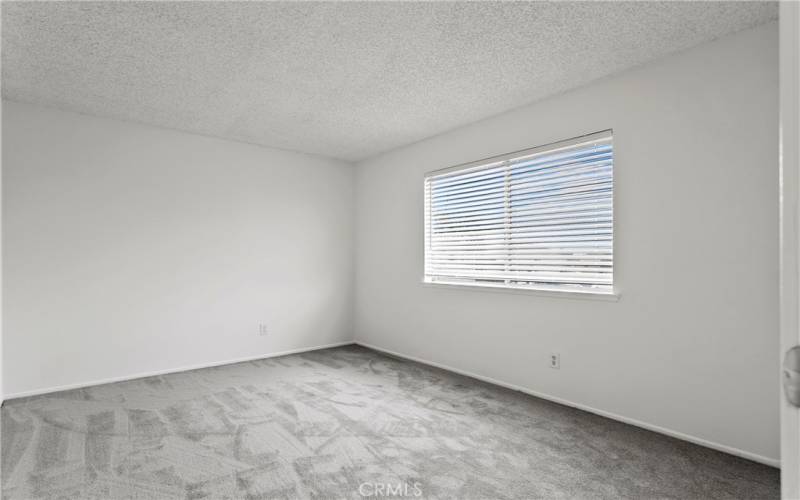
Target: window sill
{"type": "Point", "coordinates": [543, 292]}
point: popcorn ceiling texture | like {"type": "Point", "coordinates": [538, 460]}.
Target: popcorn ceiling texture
{"type": "Point", "coordinates": [346, 80]}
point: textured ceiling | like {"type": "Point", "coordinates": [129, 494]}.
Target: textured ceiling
{"type": "Point", "coordinates": [346, 80]}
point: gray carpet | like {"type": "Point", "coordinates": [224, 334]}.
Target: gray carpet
{"type": "Point", "coordinates": [340, 423]}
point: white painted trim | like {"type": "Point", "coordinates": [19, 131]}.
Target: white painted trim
{"type": "Point", "coordinates": [644, 425]}
{"type": "Point", "coordinates": [48, 390]}
{"type": "Point", "coordinates": [542, 292]}
{"type": "Point", "coordinates": [789, 64]}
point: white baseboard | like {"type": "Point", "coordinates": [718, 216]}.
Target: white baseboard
{"type": "Point", "coordinates": [774, 462]}
{"type": "Point", "coordinates": [661, 430]}
{"type": "Point", "coordinates": [48, 390]}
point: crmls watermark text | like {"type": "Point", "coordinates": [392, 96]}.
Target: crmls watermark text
{"type": "Point", "coordinates": [390, 489]}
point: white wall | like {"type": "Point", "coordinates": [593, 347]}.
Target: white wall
{"type": "Point", "coordinates": [2, 394]}
{"type": "Point", "coordinates": [691, 346]}
{"type": "Point", "coordinates": [130, 249]}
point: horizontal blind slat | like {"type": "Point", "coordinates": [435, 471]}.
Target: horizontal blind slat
{"type": "Point", "coordinates": [550, 278]}
{"type": "Point", "coordinates": [500, 235]}
{"type": "Point", "coordinates": [583, 185]}
{"type": "Point", "coordinates": [545, 268]}
{"type": "Point", "coordinates": [480, 227]}
{"type": "Point", "coordinates": [573, 200]}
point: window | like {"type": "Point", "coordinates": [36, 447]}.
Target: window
{"type": "Point", "coordinates": [536, 219]}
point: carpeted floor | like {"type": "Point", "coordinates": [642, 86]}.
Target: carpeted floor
{"type": "Point", "coordinates": [342, 423]}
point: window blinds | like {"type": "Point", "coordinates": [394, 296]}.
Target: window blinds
{"type": "Point", "coordinates": [540, 218]}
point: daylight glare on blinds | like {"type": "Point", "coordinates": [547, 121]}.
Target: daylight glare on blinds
{"type": "Point", "coordinates": [541, 218]}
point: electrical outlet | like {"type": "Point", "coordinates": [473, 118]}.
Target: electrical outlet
{"type": "Point", "coordinates": [262, 330]}
{"type": "Point", "coordinates": [555, 360]}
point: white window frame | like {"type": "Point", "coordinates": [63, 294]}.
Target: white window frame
{"type": "Point", "coordinates": [611, 294]}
